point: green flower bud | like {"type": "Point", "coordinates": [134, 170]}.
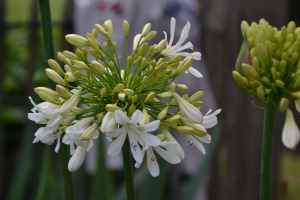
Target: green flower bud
{"type": "Point", "coordinates": [76, 110]}
{"type": "Point", "coordinates": [262, 54]}
{"type": "Point", "coordinates": [77, 40]}
{"type": "Point", "coordinates": [126, 27]}
{"type": "Point", "coordinates": [94, 54]}
{"type": "Point", "coordinates": [122, 96]}
{"type": "Point", "coordinates": [69, 77]}
{"type": "Point", "coordinates": [260, 93]}
{"type": "Point", "coordinates": [103, 92]}
{"type": "Point", "coordinates": [89, 132]}
{"type": "Point", "coordinates": [162, 114]}
{"type": "Point", "coordinates": [98, 67]}
{"type": "Point", "coordinates": [100, 117]}
{"type": "Point", "coordinates": [150, 97]}
{"type": "Point", "coordinates": [146, 29]}
{"type": "Point", "coordinates": [46, 97]}
{"type": "Point", "coordinates": [100, 29]}
{"type": "Point", "coordinates": [182, 87]}
{"type": "Point", "coordinates": [70, 55]}
{"type": "Point", "coordinates": [134, 99]}
{"type": "Point", "coordinates": [184, 65]}
{"type": "Point", "coordinates": [185, 130]}
{"type": "Point", "coordinates": [162, 44]}
{"type": "Point", "coordinates": [128, 92]}
{"type": "Point", "coordinates": [172, 121]}
{"type": "Point", "coordinates": [112, 107]}
{"type": "Point", "coordinates": [150, 36]}
{"type": "Point", "coordinates": [80, 65]}
{"type": "Point", "coordinates": [118, 88]}
{"type": "Point", "coordinates": [245, 29]}
{"type": "Point", "coordinates": [95, 33]}
{"type": "Point", "coordinates": [162, 137]}
{"type": "Point", "coordinates": [131, 109]}
{"type": "Point", "coordinates": [176, 59]}
{"type": "Point", "coordinates": [56, 67]}
{"type": "Point", "coordinates": [197, 103]}
{"type": "Point", "coordinates": [54, 95]}
{"type": "Point", "coordinates": [279, 83]}
{"type": "Point", "coordinates": [55, 76]}
{"type": "Point", "coordinates": [196, 97]}
{"type": "Point", "coordinates": [63, 92]}
{"type": "Point", "coordinates": [165, 95]}
{"type": "Point", "coordinates": [284, 104]}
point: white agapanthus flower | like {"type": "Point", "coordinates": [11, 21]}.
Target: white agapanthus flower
{"type": "Point", "coordinates": [167, 150]}
{"type": "Point", "coordinates": [49, 138]}
{"type": "Point", "coordinates": [290, 133]}
{"type": "Point", "coordinates": [188, 111]}
{"type": "Point", "coordinates": [209, 121]}
{"type": "Point", "coordinates": [137, 134]}
{"type": "Point", "coordinates": [177, 49]}
{"type": "Point", "coordinates": [108, 122]}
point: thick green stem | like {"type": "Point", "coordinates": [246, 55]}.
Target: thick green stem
{"type": "Point", "coordinates": [128, 172]}
{"type": "Point", "coordinates": [266, 157]}
{"type": "Point", "coordinates": [50, 54]}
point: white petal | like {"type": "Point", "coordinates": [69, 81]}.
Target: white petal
{"type": "Point", "coordinates": [37, 118]}
{"type": "Point", "coordinates": [81, 125]}
{"type": "Point", "coordinates": [109, 122]}
{"type": "Point", "coordinates": [152, 126]}
{"type": "Point", "coordinates": [57, 144]}
{"type": "Point", "coordinates": [137, 165]}
{"type": "Point", "coordinates": [168, 156]}
{"type": "Point", "coordinates": [195, 72]}
{"type": "Point", "coordinates": [205, 139]}
{"type": "Point", "coordinates": [134, 146]}
{"type": "Point", "coordinates": [54, 123]}
{"type": "Point", "coordinates": [197, 144]}
{"type": "Point", "coordinates": [170, 138]}
{"type": "Point", "coordinates": [172, 31]}
{"type": "Point", "coordinates": [166, 37]}
{"type": "Point", "coordinates": [184, 35]}
{"type": "Point", "coordinates": [136, 117]}
{"type": "Point", "coordinates": [77, 158]}
{"type": "Point", "coordinates": [120, 117]}
{"type": "Point", "coordinates": [152, 163]}
{"type": "Point", "coordinates": [147, 138]}
{"type": "Point", "coordinates": [114, 132]}
{"type": "Point", "coordinates": [188, 45]}
{"type": "Point", "coordinates": [290, 134]}
{"type": "Point", "coordinates": [73, 101]}
{"type": "Point", "coordinates": [116, 145]}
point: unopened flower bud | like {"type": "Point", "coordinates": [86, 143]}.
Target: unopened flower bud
{"type": "Point", "coordinates": [198, 129]}
{"type": "Point", "coordinates": [134, 99]}
{"type": "Point", "coordinates": [128, 92]}
{"type": "Point", "coordinates": [150, 97]}
{"type": "Point", "coordinates": [296, 94]}
{"type": "Point", "coordinates": [63, 92]}
{"type": "Point", "coordinates": [100, 117]}
{"type": "Point", "coordinates": [55, 76]}
{"type": "Point", "coordinates": [121, 96]}
{"type": "Point", "coordinates": [131, 109]}
{"type": "Point", "coordinates": [197, 104]}
{"type": "Point", "coordinates": [182, 87]}
{"type": "Point", "coordinates": [103, 92]}
{"type": "Point", "coordinates": [145, 81]}
{"type": "Point", "coordinates": [173, 87]}
{"type": "Point", "coordinates": [284, 104]}
{"type": "Point", "coordinates": [196, 97]}
{"type": "Point", "coordinates": [262, 54]}
{"type": "Point", "coordinates": [89, 132]}
{"type": "Point", "coordinates": [112, 107]}
{"type": "Point", "coordinates": [69, 77]}
{"type": "Point", "coordinates": [279, 83]}
{"type": "Point", "coordinates": [173, 121]}
{"type": "Point", "coordinates": [70, 55]}
{"type": "Point", "coordinates": [160, 46]}
{"type": "Point", "coordinates": [80, 65]}
{"type": "Point", "coordinates": [185, 130]}
{"type": "Point", "coordinates": [76, 110]}
{"type": "Point", "coordinates": [61, 57]}
{"type": "Point", "coordinates": [46, 97]}
{"type": "Point", "coordinates": [77, 40]}
{"type": "Point", "coordinates": [184, 65]}
{"type": "Point", "coordinates": [100, 29]}
{"type": "Point", "coordinates": [162, 114]}
{"type": "Point", "coordinates": [56, 67]}
{"type": "Point", "coordinates": [118, 88]}
{"type": "Point", "coordinates": [249, 71]}
{"type": "Point", "coordinates": [125, 27]}
{"type": "Point", "coordinates": [260, 93]}
{"type": "Point", "coordinates": [98, 67]}
{"type": "Point", "coordinates": [150, 36]}
{"type": "Point", "coordinates": [54, 95]}
{"type": "Point", "coordinates": [165, 95]}
{"type": "Point", "coordinates": [161, 67]}
{"type": "Point", "coordinates": [108, 23]}
{"type": "Point", "coordinates": [241, 81]}
{"type": "Point", "coordinates": [162, 137]}
{"type": "Point", "coordinates": [146, 29]}
{"type": "Point", "coordinates": [176, 59]}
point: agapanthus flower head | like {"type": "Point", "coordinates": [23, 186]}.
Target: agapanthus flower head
{"type": "Point", "coordinates": [268, 65]}
{"type": "Point", "coordinates": [121, 99]}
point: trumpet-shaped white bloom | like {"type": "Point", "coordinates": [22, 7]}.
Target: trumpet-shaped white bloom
{"type": "Point", "coordinates": [56, 113]}
{"type": "Point", "coordinates": [137, 134]}
{"type": "Point", "coordinates": [209, 121]}
{"type": "Point", "coordinates": [167, 150]}
{"type": "Point", "coordinates": [290, 133]}
{"type": "Point", "coordinates": [170, 138]}
{"type": "Point", "coordinates": [46, 137]}
{"type": "Point", "coordinates": [177, 49]}
{"type": "Point", "coordinates": [77, 158]}
{"type": "Point", "coordinates": [188, 111]}
{"type": "Point", "coordinates": [108, 122]}
{"type": "Point", "coordinates": [74, 132]}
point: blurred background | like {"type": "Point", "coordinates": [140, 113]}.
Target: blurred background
{"type": "Point", "coordinates": [231, 168]}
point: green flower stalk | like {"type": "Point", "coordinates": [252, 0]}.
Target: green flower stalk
{"type": "Point", "coordinates": [121, 100]}
{"type": "Point", "coordinates": [268, 68]}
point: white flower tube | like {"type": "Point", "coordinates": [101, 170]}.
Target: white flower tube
{"type": "Point", "coordinates": [188, 111]}
{"type": "Point", "coordinates": [77, 158]}
{"type": "Point", "coordinates": [290, 133]}
{"type": "Point", "coordinates": [109, 122]}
